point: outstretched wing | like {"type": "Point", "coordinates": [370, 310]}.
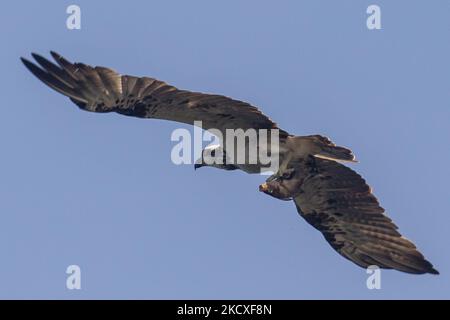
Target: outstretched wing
{"type": "Point", "coordinates": [338, 202]}
{"type": "Point", "coordinates": [100, 89]}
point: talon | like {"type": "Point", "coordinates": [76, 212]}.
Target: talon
{"type": "Point", "coordinates": [264, 187]}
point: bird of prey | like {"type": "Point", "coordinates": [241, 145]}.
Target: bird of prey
{"type": "Point", "coordinates": [330, 196]}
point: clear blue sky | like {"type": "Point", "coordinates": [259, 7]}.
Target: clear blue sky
{"type": "Point", "coordinates": [100, 191]}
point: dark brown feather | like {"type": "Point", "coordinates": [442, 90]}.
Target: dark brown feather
{"type": "Point", "coordinates": [337, 201]}
{"type": "Point", "coordinates": [102, 89]}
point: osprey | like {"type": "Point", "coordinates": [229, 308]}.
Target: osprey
{"type": "Point", "coordinates": [330, 196]}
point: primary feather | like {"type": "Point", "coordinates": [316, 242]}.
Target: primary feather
{"type": "Point", "coordinates": [330, 196]}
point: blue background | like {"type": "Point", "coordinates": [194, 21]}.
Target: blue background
{"type": "Point", "coordinates": [100, 191]}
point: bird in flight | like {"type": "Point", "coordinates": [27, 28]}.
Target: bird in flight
{"type": "Point", "coordinates": [330, 196]}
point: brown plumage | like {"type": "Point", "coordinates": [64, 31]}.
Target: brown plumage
{"type": "Point", "coordinates": [100, 89]}
{"type": "Point", "coordinates": [337, 201]}
{"type": "Point", "coordinates": [330, 196]}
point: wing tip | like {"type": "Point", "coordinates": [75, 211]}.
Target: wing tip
{"type": "Point", "coordinates": [34, 55]}
{"type": "Point", "coordinates": [433, 271]}
{"type": "Point", "coordinates": [34, 69]}
{"type": "Point", "coordinates": [26, 62]}
{"type": "Point", "coordinates": [55, 55]}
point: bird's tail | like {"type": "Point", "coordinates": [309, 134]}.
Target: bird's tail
{"type": "Point", "coordinates": [322, 147]}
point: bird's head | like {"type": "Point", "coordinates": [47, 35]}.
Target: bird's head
{"type": "Point", "coordinates": [214, 156]}
{"type": "Point", "coordinates": [283, 185]}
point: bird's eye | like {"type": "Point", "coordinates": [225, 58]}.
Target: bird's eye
{"type": "Point", "coordinates": [213, 153]}
{"type": "Point", "coordinates": [287, 174]}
